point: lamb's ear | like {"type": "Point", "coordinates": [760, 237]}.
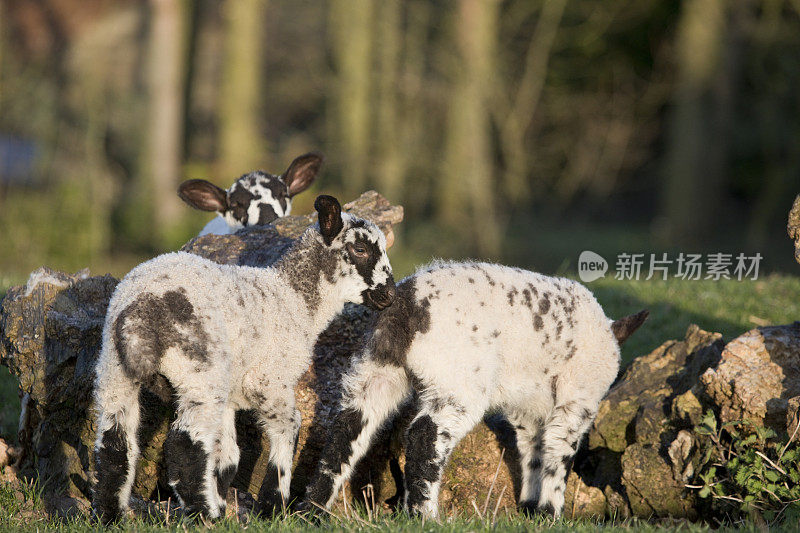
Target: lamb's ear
{"type": "Point", "coordinates": [330, 217]}
{"type": "Point", "coordinates": [203, 195]}
{"type": "Point", "coordinates": [302, 171]}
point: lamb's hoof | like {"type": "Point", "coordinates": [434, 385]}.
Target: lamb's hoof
{"type": "Point", "coordinates": [310, 511]}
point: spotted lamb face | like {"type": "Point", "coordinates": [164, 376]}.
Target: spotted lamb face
{"type": "Point", "coordinates": [359, 247]}
{"type": "Point", "coordinates": [256, 198]}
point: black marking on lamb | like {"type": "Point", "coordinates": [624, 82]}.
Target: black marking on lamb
{"type": "Point", "coordinates": [471, 280]}
{"type": "Point", "coordinates": [538, 323]}
{"type": "Point", "coordinates": [554, 387]}
{"type": "Point", "coordinates": [224, 480]}
{"type": "Point", "coordinates": [489, 278]}
{"type": "Point", "coordinates": [366, 266]}
{"type": "Point", "coordinates": [572, 350]}
{"type": "Point", "coordinates": [266, 214]}
{"type": "Point", "coordinates": [186, 469]}
{"type": "Point", "coordinates": [153, 321]}
{"type": "Point", "coordinates": [550, 471]}
{"type": "Point", "coordinates": [269, 497]}
{"type": "Point", "coordinates": [624, 327]}
{"type": "Point", "coordinates": [528, 508]}
{"type": "Point", "coordinates": [511, 294]}
{"type": "Point", "coordinates": [534, 290]}
{"type": "Point", "coordinates": [422, 466]}
{"type": "Point", "coordinates": [474, 327]}
{"type": "Point", "coordinates": [544, 306]}
{"type": "Point", "coordinates": [277, 188]}
{"type": "Point", "coordinates": [344, 431]}
{"type": "Point", "coordinates": [112, 468]}
{"type": "Point", "coordinates": [496, 333]}
{"type": "Point", "coordinates": [304, 266]}
{"type": "Point", "coordinates": [526, 295]}
{"type": "Point", "coordinates": [239, 200]}
{"type": "Point", "coordinates": [397, 325]}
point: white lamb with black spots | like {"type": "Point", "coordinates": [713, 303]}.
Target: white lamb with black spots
{"type": "Point", "coordinates": [226, 338]}
{"type": "Point", "coordinates": [470, 338]}
{"type": "Point", "coordinates": [256, 198]}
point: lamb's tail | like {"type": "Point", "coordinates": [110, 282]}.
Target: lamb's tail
{"type": "Point", "coordinates": [624, 327]}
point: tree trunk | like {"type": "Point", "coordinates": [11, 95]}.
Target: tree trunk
{"type": "Point", "coordinates": [351, 22]}
{"type": "Point", "coordinates": [697, 142]}
{"type": "Point", "coordinates": [388, 143]}
{"type": "Point", "coordinates": [242, 148]}
{"type": "Point", "coordinates": [467, 189]}
{"type": "Point", "coordinates": [166, 77]}
{"type": "Point", "coordinates": [525, 101]}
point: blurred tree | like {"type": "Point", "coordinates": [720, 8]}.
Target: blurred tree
{"type": "Point", "coordinates": [516, 110]}
{"type": "Point", "coordinates": [699, 130]}
{"type": "Point", "coordinates": [242, 147]}
{"type": "Point", "coordinates": [388, 128]}
{"type": "Point", "coordinates": [166, 71]}
{"type": "Point", "coordinates": [351, 23]}
{"type": "Point", "coordinates": [466, 196]}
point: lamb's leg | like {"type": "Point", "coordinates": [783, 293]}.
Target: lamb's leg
{"type": "Point", "coordinates": [563, 431]}
{"type": "Point", "coordinates": [529, 430]}
{"type": "Point", "coordinates": [438, 427]}
{"type": "Point", "coordinates": [191, 454]}
{"type": "Point", "coordinates": [373, 392]}
{"type": "Point", "coordinates": [116, 448]}
{"type": "Point", "coordinates": [282, 424]}
{"type": "Point", "coordinates": [227, 456]}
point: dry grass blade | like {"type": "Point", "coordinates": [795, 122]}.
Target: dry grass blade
{"type": "Point", "coordinates": [477, 511]}
{"type": "Point", "coordinates": [497, 505]}
{"type": "Point", "coordinates": [326, 511]}
{"type": "Point", "coordinates": [494, 480]}
{"type": "Point", "coordinates": [773, 465]}
{"type": "Point", "coordinates": [796, 427]}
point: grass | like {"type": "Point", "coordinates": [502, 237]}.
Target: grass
{"type": "Point", "coordinates": [729, 307]}
{"type": "Point", "coordinates": [21, 509]}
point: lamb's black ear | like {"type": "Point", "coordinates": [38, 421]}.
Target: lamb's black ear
{"type": "Point", "coordinates": [302, 171]}
{"type": "Point", "coordinates": [330, 217]}
{"type": "Point", "coordinates": [203, 195]}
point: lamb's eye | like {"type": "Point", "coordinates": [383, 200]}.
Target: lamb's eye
{"type": "Point", "coordinates": [358, 250]}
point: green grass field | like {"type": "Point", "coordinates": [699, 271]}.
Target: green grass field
{"type": "Point", "coordinates": [21, 511]}
{"type": "Point", "coordinates": [729, 307]}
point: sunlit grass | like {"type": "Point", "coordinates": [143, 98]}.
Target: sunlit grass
{"type": "Point", "coordinates": [22, 509]}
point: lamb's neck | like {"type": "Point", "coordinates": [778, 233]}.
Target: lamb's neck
{"type": "Point", "coordinates": [308, 267]}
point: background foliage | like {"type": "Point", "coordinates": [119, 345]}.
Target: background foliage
{"type": "Point", "coordinates": [515, 130]}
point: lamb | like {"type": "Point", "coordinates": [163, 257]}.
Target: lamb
{"type": "Point", "coordinates": [468, 338]}
{"type": "Point", "coordinates": [226, 338]}
{"type": "Point", "coordinates": [254, 198]}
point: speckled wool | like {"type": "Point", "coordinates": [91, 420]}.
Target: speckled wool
{"type": "Point", "coordinates": [226, 338]}
{"type": "Point", "coordinates": [470, 338]}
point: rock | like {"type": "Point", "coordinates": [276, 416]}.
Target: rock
{"type": "Point", "coordinates": [8, 454]}
{"type": "Point", "coordinates": [758, 374]}
{"type": "Point", "coordinates": [793, 227]}
{"type": "Point", "coordinates": [50, 334]}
